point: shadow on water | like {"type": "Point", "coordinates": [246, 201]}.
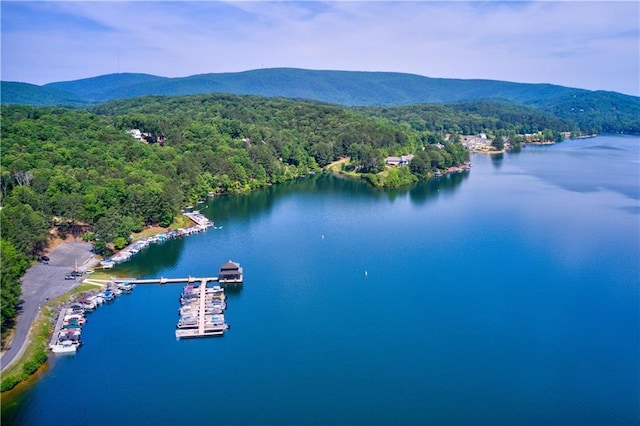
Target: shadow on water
{"type": "Point", "coordinates": [251, 206]}
{"type": "Point", "coordinates": [165, 255]}
{"type": "Point", "coordinates": [496, 160]}
{"type": "Point", "coordinates": [247, 207]}
{"type": "Point", "coordinates": [429, 190]}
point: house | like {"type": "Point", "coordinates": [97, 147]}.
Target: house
{"type": "Point", "coordinates": [136, 134]}
{"type": "Point", "coordinates": [403, 160]}
{"type": "Point", "coordinates": [230, 272]}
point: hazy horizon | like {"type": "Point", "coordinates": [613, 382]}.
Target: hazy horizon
{"type": "Point", "coordinates": [593, 45]}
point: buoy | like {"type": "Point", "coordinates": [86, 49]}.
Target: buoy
{"type": "Point", "coordinates": [366, 273]}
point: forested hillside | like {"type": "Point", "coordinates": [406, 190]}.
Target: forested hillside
{"type": "Point", "coordinates": [592, 111]}
{"type": "Point", "coordinates": [472, 118]}
{"type": "Point", "coordinates": [598, 112]}
{"type": "Point", "coordinates": [339, 87]}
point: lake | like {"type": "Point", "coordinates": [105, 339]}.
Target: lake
{"type": "Point", "coordinates": [503, 295]}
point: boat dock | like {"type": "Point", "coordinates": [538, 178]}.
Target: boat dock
{"type": "Point", "coordinates": [163, 280]}
{"type": "Point", "coordinates": [202, 308]}
{"type": "Point", "coordinates": [201, 314]}
{"type": "Point", "coordinates": [230, 273]}
{"type": "Point", "coordinates": [56, 331]}
{"type": "Point", "coordinates": [199, 219]}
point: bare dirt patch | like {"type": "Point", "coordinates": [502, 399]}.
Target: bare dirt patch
{"type": "Point", "coordinates": [149, 231]}
{"type": "Point", "coordinates": [55, 239]}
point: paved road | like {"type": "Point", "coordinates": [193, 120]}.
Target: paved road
{"type": "Point", "coordinates": [43, 282]}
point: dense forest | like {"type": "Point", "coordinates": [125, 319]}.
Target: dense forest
{"type": "Point", "coordinates": [599, 112]}
{"type": "Point", "coordinates": [85, 171]}
{"type": "Point", "coordinates": [472, 118]}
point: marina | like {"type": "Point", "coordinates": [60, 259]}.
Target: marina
{"type": "Point", "coordinates": [201, 312]}
{"type": "Point", "coordinates": [67, 331]}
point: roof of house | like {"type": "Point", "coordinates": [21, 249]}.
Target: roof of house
{"type": "Point", "coordinates": [230, 266]}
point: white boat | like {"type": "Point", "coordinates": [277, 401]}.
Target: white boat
{"type": "Point", "coordinates": [107, 265]}
{"type": "Point", "coordinates": [188, 310]}
{"type": "Point", "coordinates": [188, 322]}
{"type": "Point", "coordinates": [209, 311]}
{"type": "Point", "coordinates": [126, 287]}
{"type": "Point", "coordinates": [74, 318]}
{"type": "Point", "coordinates": [217, 319]}
{"type": "Point", "coordinates": [67, 346]}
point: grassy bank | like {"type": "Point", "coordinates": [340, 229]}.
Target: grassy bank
{"type": "Point", "coordinates": [35, 353]}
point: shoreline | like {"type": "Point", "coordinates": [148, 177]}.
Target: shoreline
{"type": "Point", "coordinates": [54, 304]}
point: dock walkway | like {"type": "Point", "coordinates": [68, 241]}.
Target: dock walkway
{"type": "Point", "coordinates": [207, 324]}
{"type": "Point", "coordinates": [199, 218]}
{"type": "Point", "coordinates": [201, 314]}
{"type": "Point", "coordinates": [163, 280]}
{"type": "Point", "coordinates": [58, 327]}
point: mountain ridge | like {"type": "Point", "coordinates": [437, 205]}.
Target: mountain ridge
{"type": "Point", "coordinates": [333, 86]}
{"type": "Point", "coordinates": [603, 110]}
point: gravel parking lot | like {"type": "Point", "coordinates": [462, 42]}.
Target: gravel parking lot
{"type": "Point", "coordinates": [46, 281]}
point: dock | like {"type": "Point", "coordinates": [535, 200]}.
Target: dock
{"type": "Point", "coordinates": [163, 280]}
{"type": "Point", "coordinates": [56, 331]}
{"type": "Point", "coordinates": [202, 310]}
{"type": "Point", "coordinates": [199, 219]}
{"type": "Point", "coordinates": [201, 323]}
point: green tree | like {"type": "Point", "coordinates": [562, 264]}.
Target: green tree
{"type": "Point", "coordinates": [13, 266]}
{"type": "Point", "coordinates": [25, 228]}
{"type": "Point", "coordinates": [420, 164]}
{"type": "Point", "coordinates": [498, 143]}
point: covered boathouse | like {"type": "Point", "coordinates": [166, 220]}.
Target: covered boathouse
{"type": "Point", "coordinates": [230, 272]}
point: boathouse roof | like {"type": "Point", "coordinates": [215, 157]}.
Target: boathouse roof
{"type": "Point", "coordinates": [230, 266]}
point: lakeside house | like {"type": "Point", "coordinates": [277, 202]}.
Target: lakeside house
{"type": "Point", "coordinates": [400, 161]}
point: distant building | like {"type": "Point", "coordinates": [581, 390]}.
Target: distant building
{"type": "Point", "coordinates": [147, 137]}
{"type": "Point", "coordinates": [136, 134]}
{"type": "Point", "coordinates": [403, 160]}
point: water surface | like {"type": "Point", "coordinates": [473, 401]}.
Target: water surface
{"type": "Point", "coordinates": [505, 295]}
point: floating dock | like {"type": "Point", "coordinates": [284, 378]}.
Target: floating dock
{"type": "Point", "coordinates": [54, 343]}
{"type": "Point", "coordinates": [201, 323]}
{"type": "Point", "coordinates": [230, 273]}
{"type": "Point", "coordinates": [163, 280]}
{"type": "Point", "coordinates": [201, 314]}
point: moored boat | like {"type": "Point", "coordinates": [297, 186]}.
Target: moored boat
{"type": "Point", "coordinates": [67, 346]}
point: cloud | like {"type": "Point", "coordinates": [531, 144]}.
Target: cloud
{"type": "Point", "coordinates": [550, 42]}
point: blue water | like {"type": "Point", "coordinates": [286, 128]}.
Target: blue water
{"type": "Point", "coordinates": [505, 295]}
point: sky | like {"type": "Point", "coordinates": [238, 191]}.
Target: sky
{"type": "Point", "coordinates": [586, 44]}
